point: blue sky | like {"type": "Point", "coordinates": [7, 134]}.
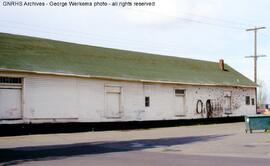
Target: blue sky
{"type": "Point", "coordinates": [199, 29]}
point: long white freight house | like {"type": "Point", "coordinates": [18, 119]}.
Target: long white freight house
{"type": "Point", "coordinates": [43, 80]}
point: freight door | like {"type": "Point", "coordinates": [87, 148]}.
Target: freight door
{"type": "Point", "coordinates": [10, 104]}
{"type": "Point", "coordinates": [113, 102]}
{"type": "Point", "coordinates": [180, 102]}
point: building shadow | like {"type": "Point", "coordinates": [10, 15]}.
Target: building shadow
{"type": "Point", "coordinates": [13, 156]}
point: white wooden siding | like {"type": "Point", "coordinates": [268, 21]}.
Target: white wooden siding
{"type": "Point", "coordinates": [48, 97]}
{"type": "Point", "coordinates": [84, 100]}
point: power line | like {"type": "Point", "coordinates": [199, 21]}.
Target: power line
{"type": "Point", "coordinates": [120, 40]}
{"type": "Point", "coordinates": [219, 19]}
{"type": "Point", "coordinates": [181, 18]}
{"type": "Point", "coordinates": [57, 31]}
{"type": "Point", "coordinates": [159, 47]}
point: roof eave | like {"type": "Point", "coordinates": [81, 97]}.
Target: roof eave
{"type": "Point", "coordinates": [121, 78]}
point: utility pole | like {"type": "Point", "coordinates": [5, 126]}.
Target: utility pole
{"type": "Point", "coordinates": [255, 56]}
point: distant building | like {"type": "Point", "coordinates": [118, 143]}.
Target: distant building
{"type": "Point", "coordinates": [51, 81]}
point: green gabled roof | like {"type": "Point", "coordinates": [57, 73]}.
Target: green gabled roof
{"type": "Point", "coordinates": [22, 53]}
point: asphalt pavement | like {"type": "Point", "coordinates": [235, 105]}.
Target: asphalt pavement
{"type": "Point", "coordinates": [220, 144]}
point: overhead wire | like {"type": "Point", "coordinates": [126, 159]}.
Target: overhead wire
{"type": "Point", "coordinates": [90, 36]}
{"type": "Point", "coordinates": [210, 21]}
{"type": "Point", "coordinates": [186, 19]}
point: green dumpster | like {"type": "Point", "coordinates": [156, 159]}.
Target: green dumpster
{"type": "Point", "coordinates": [257, 122]}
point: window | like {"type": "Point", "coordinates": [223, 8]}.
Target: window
{"type": "Point", "coordinates": [228, 105]}
{"type": "Point", "coordinates": [247, 100]}
{"type": "Point", "coordinates": [147, 101]}
{"type": "Point", "coordinates": [10, 80]}
{"type": "Point", "coordinates": [179, 92]}
{"type": "Point", "coordinates": [253, 101]}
